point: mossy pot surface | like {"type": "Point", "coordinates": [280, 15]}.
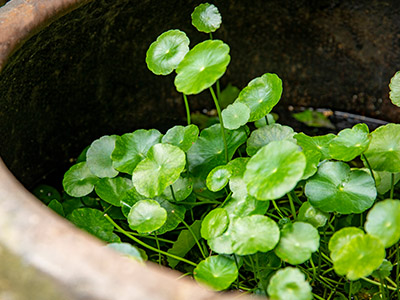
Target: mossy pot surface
{"type": "Point", "coordinates": [74, 70]}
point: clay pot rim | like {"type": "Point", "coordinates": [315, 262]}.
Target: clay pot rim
{"type": "Point", "coordinates": [78, 264]}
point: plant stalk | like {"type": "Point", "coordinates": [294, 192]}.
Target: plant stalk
{"type": "Point", "coordinates": [221, 121]}
{"type": "Point", "coordinates": [187, 109]}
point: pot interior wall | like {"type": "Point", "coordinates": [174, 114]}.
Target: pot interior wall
{"type": "Point", "coordinates": [85, 76]}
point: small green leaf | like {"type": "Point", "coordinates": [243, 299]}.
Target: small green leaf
{"type": "Point", "coordinates": [274, 170]}
{"type": "Point", "coordinates": [336, 188]}
{"type": "Point", "coordinates": [218, 178]}
{"type": "Point", "coordinates": [131, 148]}
{"type": "Point", "coordinates": [146, 216]}
{"type": "Point", "coordinates": [94, 222]}
{"type": "Point", "coordinates": [289, 284]}
{"type": "Point", "coordinates": [340, 239]}
{"type": "Point", "coordinates": [161, 168]}
{"type": "Point", "coordinates": [202, 67]}
{"type": "Point", "coordinates": [98, 157]}
{"type": "Point", "coordinates": [383, 153]}
{"type": "Point", "coordinates": [165, 54]}
{"type": "Point", "coordinates": [383, 222]}
{"type": "Point", "coordinates": [217, 272]}
{"type": "Point", "coordinates": [215, 223]}
{"type": "Point", "coordinates": [235, 115]}
{"type": "Point", "coordinates": [312, 215]}
{"type": "Point", "coordinates": [261, 95]}
{"type": "Point", "coordinates": [384, 270]}
{"type": "Point", "coordinates": [182, 188]}
{"type": "Point", "coordinates": [181, 136]}
{"type": "Point", "coordinates": [254, 233]}
{"type": "Point", "coordinates": [245, 206]}
{"type": "Point", "coordinates": [350, 143]}
{"type": "Point", "coordinates": [264, 135]}
{"type": "Point", "coordinates": [46, 193]}
{"type": "Point", "coordinates": [298, 241]}
{"type": "Point", "coordinates": [56, 206]}
{"type": "Point", "coordinates": [206, 18]}
{"type": "Point", "coordinates": [313, 118]}
{"type": "Point", "coordinates": [394, 86]}
{"type": "Point", "coordinates": [79, 181]}
{"type": "Point", "coordinates": [127, 250]}
{"type": "Point", "coordinates": [111, 190]}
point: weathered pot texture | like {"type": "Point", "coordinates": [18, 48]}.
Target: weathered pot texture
{"type": "Point", "coordinates": [73, 70]}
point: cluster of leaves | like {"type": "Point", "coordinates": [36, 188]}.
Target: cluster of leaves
{"type": "Point", "coordinates": [246, 203]}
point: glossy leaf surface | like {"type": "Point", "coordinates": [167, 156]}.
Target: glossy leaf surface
{"type": "Point", "coordinates": [98, 157]}
{"type": "Point", "coordinates": [111, 190]}
{"type": "Point", "coordinates": [206, 18]}
{"type": "Point", "coordinates": [79, 181]}
{"type": "Point", "coordinates": [312, 215]}
{"type": "Point", "coordinates": [181, 136]}
{"type": "Point", "coordinates": [394, 86]}
{"type": "Point", "coordinates": [146, 216]}
{"type": "Point", "coordinates": [218, 178]}
{"type": "Point", "coordinates": [215, 223]}
{"type": "Point", "coordinates": [235, 115]}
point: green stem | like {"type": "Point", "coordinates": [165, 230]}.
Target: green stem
{"type": "Point", "coordinates": [226, 199]}
{"type": "Point", "coordinates": [392, 187]}
{"type": "Point", "coordinates": [314, 269]}
{"type": "Point", "coordinates": [211, 37]}
{"type": "Point", "coordinates": [221, 121]}
{"type": "Point", "coordinates": [277, 209]}
{"type": "Point", "coordinates": [377, 283]}
{"type": "Point", "coordinates": [147, 246]}
{"type": "Point", "coordinates": [149, 237]}
{"type": "Point", "coordinates": [350, 287]}
{"type": "Point", "coordinates": [369, 167]}
{"type": "Point", "coordinates": [218, 89]}
{"type": "Point", "coordinates": [318, 297]}
{"type": "Point", "coordinates": [172, 192]}
{"type": "Point", "coordinates": [292, 208]}
{"type": "Point", "coordinates": [187, 109]}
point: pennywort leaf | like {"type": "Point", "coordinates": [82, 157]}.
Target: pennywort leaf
{"type": "Point", "coordinates": [394, 86]}
{"type": "Point", "coordinates": [206, 18]}
{"type": "Point", "coordinates": [215, 223]}
{"type": "Point", "coordinates": [98, 157]}
{"type": "Point", "coordinates": [111, 190]}
{"type": "Point", "coordinates": [181, 136]}
{"type": "Point", "coordinates": [79, 181]}
{"type": "Point", "coordinates": [235, 115]}
{"type": "Point", "coordinates": [146, 216]}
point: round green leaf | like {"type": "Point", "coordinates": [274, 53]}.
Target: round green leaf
{"type": "Point", "coordinates": [312, 153]}
{"type": "Point", "coordinates": [208, 151]}
{"type": "Point", "coordinates": [98, 157]}
{"type": "Point", "coordinates": [261, 95]}
{"type": "Point", "coordinates": [94, 222]}
{"type": "Point", "coordinates": [254, 233]}
{"type": "Point", "coordinates": [316, 143]}
{"type": "Point", "coordinates": [383, 222]}
{"type": "Point", "coordinates": [223, 243]}
{"type": "Point", "coordinates": [165, 54]}
{"type": "Point", "coordinates": [131, 148]}
{"type": "Point", "coordinates": [161, 168]}
{"type": "Point", "coordinates": [274, 170]}
{"type": "Point", "coordinates": [289, 284]}
{"type": "Point", "coordinates": [383, 153]}
{"type": "Point", "coordinates": [127, 250]}
{"type": "Point", "coordinates": [146, 216]}
{"type": "Point", "coordinates": [202, 67]}
{"type": "Point", "coordinates": [245, 206]}
{"type": "Point", "coordinates": [384, 270]}
{"type": "Point", "coordinates": [111, 190]}
{"type": "Point", "coordinates": [312, 215]}
{"type": "Point", "coordinates": [218, 178]}
{"type": "Point", "coordinates": [394, 86]}
{"type": "Point", "coordinates": [235, 115]}
{"type": "Point", "coordinates": [182, 137]}
{"type": "Point", "coordinates": [206, 18]}
{"type": "Point", "coordinates": [182, 188]}
{"type": "Point", "coordinates": [350, 143]}
{"type": "Point", "coordinates": [215, 223]}
{"type": "Point", "coordinates": [217, 272]}
{"type": "Point", "coordinates": [79, 181]}
{"type": "Point", "coordinates": [359, 257]}
{"type": "Point", "coordinates": [264, 135]}
{"type": "Point", "coordinates": [128, 199]}
{"type": "Point", "coordinates": [340, 239]}
{"type": "Point", "coordinates": [298, 241]}
{"type": "Point", "coordinates": [337, 188]}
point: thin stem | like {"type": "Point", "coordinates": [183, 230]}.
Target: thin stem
{"type": "Point", "coordinates": [314, 269]}
{"type": "Point", "coordinates": [172, 192]}
{"type": "Point", "coordinates": [292, 208]}
{"type": "Point", "coordinates": [318, 297]}
{"type": "Point", "coordinates": [369, 167]}
{"type": "Point", "coordinates": [277, 209]}
{"type": "Point", "coordinates": [211, 37]}
{"type": "Point", "coordinates": [147, 246]}
{"type": "Point", "coordinates": [221, 121]}
{"type": "Point", "coordinates": [149, 237]}
{"type": "Point", "coordinates": [377, 283]}
{"type": "Point", "coordinates": [226, 199]}
{"type": "Point", "coordinates": [187, 109]}
{"type": "Point", "coordinates": [350, 288]}
{"type": "Point", "coordinates": [218, 89]}
{"type": "Point", "coordinates": [392, 187]}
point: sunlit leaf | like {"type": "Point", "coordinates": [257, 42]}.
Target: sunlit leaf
{"type": "Point", "coordinates": [340, 239]}
{"type": "Point", "coordinates": [235, 115]}
{"type": "Point", "coordinates": [79, 181]}
{"type": "Point", "coordinates": [181, 136]}
{"type": "Point", "coordinates": [146, 216]}
{"type": "Point", "coordinates": [206, 18]}
{"type": "Point", "coordinates": [98, 157]}
{"type": "Point", "coordinates": [218, 178]}
{"type": "Point", "coordinates": [214, 223]}
{"type": "Point", "coordinates": [312, 215]}
{"type": "Point", "coordinates": [394, 86]}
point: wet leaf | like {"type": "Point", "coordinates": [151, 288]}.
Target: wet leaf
{"type": "Point", "coordinates": [146, 216]}
{"type": "Point", "coordinates": [98, 157]}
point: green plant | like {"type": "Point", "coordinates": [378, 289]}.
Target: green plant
{"type": "Point", "coordinates": [254, 207]}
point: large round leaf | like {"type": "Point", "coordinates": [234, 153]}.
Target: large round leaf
{"type": "Point", "coordinates": [274, 170]}
{"type": "Point", "coordinates": [131, 148]}
{"type": "Point", "coordinates": [165, 54]}
{"type": "Point", "coordinates": [383, 221]}
{"type": "Point", "coordinates": [336, 188]}
{"type": "Point", "coordinates": [202, 67]}
{"type": "Point", "coordinates": [254, 233]}
{"type": "Point", "coordinates": [111, 190]}
{"type": "Point", "coordinates": [181, 136]}
{"type": "Point", "coordinates": [206, 18]}
{"type": "Point", "coordinates": [235, 115]}
{"type": "Point", "coordinates": [264, 135]}
{"type": "Point", "coordinates": [79, 181]}
{"type": "Point", "coordinates": [312, 215]}
{"type": "Point", "coordinates": [340, 239]}
{"type": "Point", "coordinates": [289, 284]}
{"type": "Point", "coordinates": [350, 143]}
{"type": "Point", "coordinates": [359, 257]}
{"type": "Point", "coordinates": [383, 153]}
{"type": "Point", "coordinates": [215, 223]}
{"type": "Point", "coordinates": [298, 241]}
{"type": "Point", "coordinates": [394, 86]}
{"type": "Point", "coordinates": [98, 157]}
{"type": "Point", "coordinates": [261, 95]}
{"type": "Point", "coordinates": [161, 168]}
{"type": "Point", "coordinates": [217, 272]}
{"type": "Point", "coordinates": [208, 151]}
{"type": "Point", "coordinates": [146, 216]}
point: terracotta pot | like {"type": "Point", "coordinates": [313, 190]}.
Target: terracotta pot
{"type": "Point", "coordinates": [73, 70]}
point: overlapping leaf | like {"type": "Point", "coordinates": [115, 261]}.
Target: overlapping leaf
{"type": "Point", "coordinates": [98, 157]}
